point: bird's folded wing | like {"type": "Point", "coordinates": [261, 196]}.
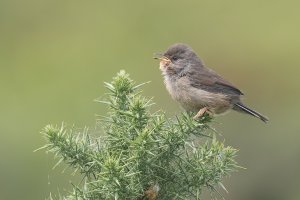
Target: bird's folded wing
{"type": "Point", "coordinates": [208, 80]}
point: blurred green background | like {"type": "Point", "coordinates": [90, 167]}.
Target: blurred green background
{"type": "Point", "coordinates": [55, 55]}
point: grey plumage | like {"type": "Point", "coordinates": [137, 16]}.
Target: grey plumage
{"type": "Point", "coordinates": [195, 86]}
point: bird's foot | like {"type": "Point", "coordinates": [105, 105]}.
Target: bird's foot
{"type": "Point", "coordinates": [201, 113]}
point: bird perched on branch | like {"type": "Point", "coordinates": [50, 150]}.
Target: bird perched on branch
{"type": "Point", "coordinates": [198, 88]}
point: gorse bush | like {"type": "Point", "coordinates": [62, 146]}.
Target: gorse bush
{"type": "Point", "coordinates": [141, 155]}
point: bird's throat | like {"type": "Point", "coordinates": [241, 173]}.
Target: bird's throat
{"type": "Point", "coordinates": [164, 64]}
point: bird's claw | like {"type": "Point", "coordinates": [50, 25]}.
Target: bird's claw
{"type": "Point", "coordinates": [201, 113]}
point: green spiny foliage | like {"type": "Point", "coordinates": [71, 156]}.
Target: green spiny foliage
{"type": "Point", "coordinates": [141, 155]}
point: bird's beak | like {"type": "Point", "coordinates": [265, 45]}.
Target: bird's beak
{"type": "Point", "coordinates": [164, 61]}
{"type": "Point", "coordinates": [161, 57]}
{"type": "Point", "coordinates": [157, 55]}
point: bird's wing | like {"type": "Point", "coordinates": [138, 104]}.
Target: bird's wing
{"type": "Point", "coordinates": [208, 80]}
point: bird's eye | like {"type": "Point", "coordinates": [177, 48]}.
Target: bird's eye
{"type": "Point", "coordinates": [175, 58]}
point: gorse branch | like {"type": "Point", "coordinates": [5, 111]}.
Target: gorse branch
{"type": "Point", "coordinates": [142, 155]}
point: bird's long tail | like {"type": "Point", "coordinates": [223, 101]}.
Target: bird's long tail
{"type": "Point", "coordinates": [242, 108]}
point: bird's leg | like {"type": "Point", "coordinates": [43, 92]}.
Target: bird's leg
{"type": "Point", "coordinates": [201, 112]}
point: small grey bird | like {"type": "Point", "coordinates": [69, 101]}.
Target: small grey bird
{"type": "Point", "coordinates": [198, 88]}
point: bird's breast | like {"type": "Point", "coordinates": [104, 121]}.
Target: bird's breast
{"type": "Point", "coordinates": [180, 91]}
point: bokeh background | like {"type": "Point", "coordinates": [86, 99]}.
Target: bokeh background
{"type": "Point", "coordinates": [55, 56]}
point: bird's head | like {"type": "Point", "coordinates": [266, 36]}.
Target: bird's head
{"type": "Point", "coordinates": [176, 58]}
